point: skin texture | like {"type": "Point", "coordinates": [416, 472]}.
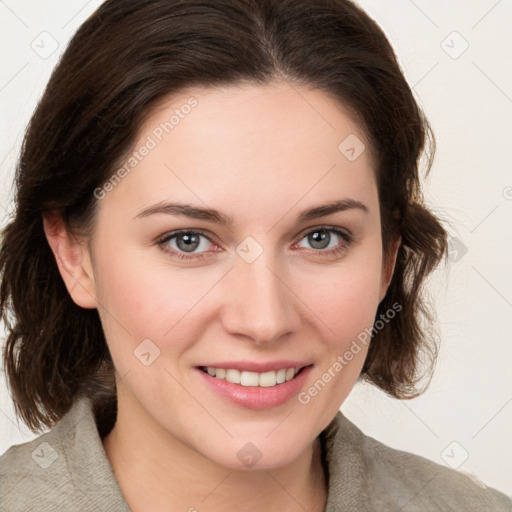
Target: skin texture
{"type": "Point", "coordinates": [260, 154]}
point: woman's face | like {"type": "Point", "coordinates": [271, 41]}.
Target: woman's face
{"type": "Point", "coordinates": [272, 290]}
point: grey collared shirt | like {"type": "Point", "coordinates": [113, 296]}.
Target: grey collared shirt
{"type": "Point", "coordinates": [67, 469]}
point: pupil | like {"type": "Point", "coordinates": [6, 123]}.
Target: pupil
{"type": "Point", "coordinates": [318, 237]}
{"type": "Point", "coordinates": [191, 242]}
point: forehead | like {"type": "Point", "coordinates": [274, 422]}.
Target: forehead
{"type": "Point", "coordinates": [241, 141]}
{"type": "Point", "coordinates": [296, 112]}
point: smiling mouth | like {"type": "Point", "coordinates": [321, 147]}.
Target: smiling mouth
{"type": "Point", "coordinates": [253, 379]}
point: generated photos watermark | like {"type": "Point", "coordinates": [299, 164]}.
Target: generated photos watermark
{"type": "Point", "coordinates": [151, 142]}
{"type": "Point", "coordinates": [363, 338]}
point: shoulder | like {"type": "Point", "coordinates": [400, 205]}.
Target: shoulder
{"type": "Point", "coordinates": [427, 485]}
{"type": "Point", "coordinates": [66, 465]}
{"type": "Point", "coordinates": [392, 479]}
{"type": "Point", "coordinates": [33, 474]}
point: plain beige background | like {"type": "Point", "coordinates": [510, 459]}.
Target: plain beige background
{"type": "Point", "coordinates": [457, 60]}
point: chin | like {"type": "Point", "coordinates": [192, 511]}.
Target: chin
{"type": "Point", "coordinates": [259, 454]}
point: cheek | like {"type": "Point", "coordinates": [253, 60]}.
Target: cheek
{"type": "Point", "coordinates": [143, 300]}
{"type": "Point", "coordinates": [345, 299]}
{"type": "Point", "coordinates": [349, 312]}
{"type": "Point", "coordinates": [344, 307]}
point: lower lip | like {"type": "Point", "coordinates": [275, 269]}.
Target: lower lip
{"type": "Point", "coordinates": [256, 397]}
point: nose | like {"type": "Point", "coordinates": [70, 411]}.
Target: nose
{"type": "Point", "coordinates": [259, 302]}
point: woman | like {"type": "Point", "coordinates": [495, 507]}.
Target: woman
{"type": "Point", "coordinates": [219, 230]}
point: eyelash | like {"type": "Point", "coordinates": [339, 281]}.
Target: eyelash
{"type": "Point", "coordinates": [345, 236]}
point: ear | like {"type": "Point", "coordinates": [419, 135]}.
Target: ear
{"type": "Point", "coordinates": [73, 260]}
{"type": "Point", "coordinates": [388, 266]}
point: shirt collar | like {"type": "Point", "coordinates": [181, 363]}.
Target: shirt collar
{"type": "Point", "coordinates": [345, 464]}
{"type": "Point", "coordinates": [90, 469]}
{"type": "Point", "coordinates": [86, 459]}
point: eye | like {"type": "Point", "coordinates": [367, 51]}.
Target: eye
{"type": "Point", "coordinates": [184, 243]}
{"type": "Point", "coordinates": [321, 240]}
{"type": "Point", "coordinates": [193, 244]}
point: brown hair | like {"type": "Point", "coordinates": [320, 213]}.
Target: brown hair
{"type": "Point", "coordinates": [125, 58]}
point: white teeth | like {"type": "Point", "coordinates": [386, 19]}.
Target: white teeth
{"type": "Point", "coordinates": [249, 379]}
{"type": "Point", "coordinates": [268, 379]}
{"type": "Point", "coordinates": [233, 376]}
{"type": "Point", "coordinates": [245, 378]}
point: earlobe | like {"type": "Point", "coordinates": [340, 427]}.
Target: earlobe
{"type": "Point", "coordinates": [388, 267]}
{"type": "Point", "coordinates": [73, 261]}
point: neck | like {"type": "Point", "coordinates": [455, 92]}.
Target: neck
{"type": "Point", "coordinates": [164, 474]}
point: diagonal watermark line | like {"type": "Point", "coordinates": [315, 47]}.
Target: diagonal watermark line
{"type": "Point", "coordinates": [11, 420]}
{"type": "Point", "coordinates": [5, 211]}
{"type": "Point", "coordinates": [6, 6]}
{"type": "Point", "coordinates": [300, 199]}
{"type": "Point", "coordinates": [421, 490]}
{"type": "Point", "coordinates": [405, 405]}
{"type": "Point", "coordinates": [75, 15]}
{"type": "Point", "coordinates": [94, 297]}
{"type": "Point", "coordinates": [424, 13]}
{"type": "Point", "coordinates": [291, 85]}
{"type": "Point", "coordinates": [285, 490]}
{"type": "Point", "coordinates": [427, 73]}
{"type": "Point", "coordinates": [279, 424]}
{"type": "Point", "coordinates": [485, 218]}
{"type": "Point", "coordinates": [205, 409]}
{"type": "Point", "coordinates": [87, 497]}
{"type": "Point", "coordinates": [194, 305]}
{"type": "Point", "coordinates": [7, 154]}
{"type": "Point", "coordinates": [4, 494]}
{"type": "Point", "coordinates": [13, 77]}
{"type": "Point", "coordinates": [301, 300]}
{"type": "Point", "coordinates": [168, 168]}
{"type": "Point", "coordinates": [69, 474]}
{"type": "Point", "coordinates": [491, 419]}
{"type": "Point", "coordinates": [488, 282]}
{"type": "Point", "coordinates": [216, 487]}
{"type": "Point", "coordinates": [122, 376]}
{"type": "Point", "coordinates": [267, 266]}
{"type": "Point", "coordinates": [486, 14]}
{"type": "Point", "coordinates": [492, 81]}
{"type": "Point", "coordinates": [118, 381]}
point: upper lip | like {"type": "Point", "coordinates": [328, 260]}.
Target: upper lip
{"type": "Point", "coordinates": [253, 366]}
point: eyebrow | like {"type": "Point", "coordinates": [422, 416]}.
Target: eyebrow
{"type": "Point", "coordinates": [213, 215]}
